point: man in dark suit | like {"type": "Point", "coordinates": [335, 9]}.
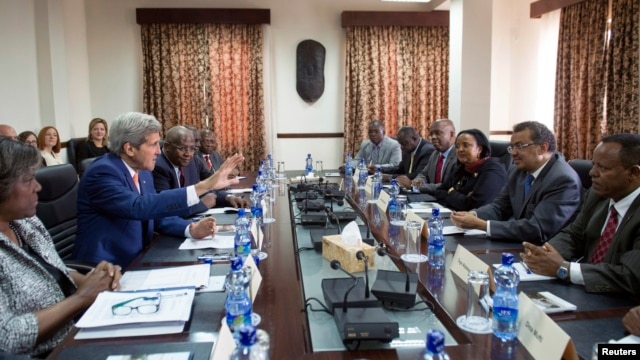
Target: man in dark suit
{"type": "Point", "coordinates": [118, 206]}
{"type": "Point", "coordinates": [176, 167]}
{"type": "Point", "coordinates": [542, 194]}
{"type": "Point", "coordinates": [415, 155]}
{"type": "Point", "coordinates": [441, 164]}
{"type": "Point", "coordinates": [601, 248]}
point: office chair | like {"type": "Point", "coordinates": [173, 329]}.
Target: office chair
{"type": "Point", "coordinates": [72, 150]}
{"type": "Point", "coordinates": [57, 209]}
{"type": "Point", "coordinates": [83, 165]}
{"type": "Point", "coordinates": [582, 167]}
{"type": "Point", "coordinates": [499, 150]}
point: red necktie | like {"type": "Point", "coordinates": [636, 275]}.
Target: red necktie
{"type": "Point", "coordinates": [135, 180]}
{"type": "Point", "coordinates": [438, 179]}
{"type": "Point", "coordinates": [606, 238]}
{"type": "Point", "coordinates": [181, 178]}
{"type": "Point", "coordinates": [206, 158]}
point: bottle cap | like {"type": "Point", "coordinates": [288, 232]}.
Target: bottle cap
{"type": "Point", "coordinates": [241, 212]}
{"type": "Point", "coordinates": [435, 212]}
{"type": "Point", "coordinates": [435, 341]}
{"type": "Point", "coordinates": [255, 187]}
{"type": "Point", "coordinates": [236, 263]}
{"type": "Point", "coordinates": [507, 259]}
{"type": "Point", "coordinates": [247, 334]}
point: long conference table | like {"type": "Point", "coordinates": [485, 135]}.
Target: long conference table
{"type": "Point", "coordinates": [281, 303]}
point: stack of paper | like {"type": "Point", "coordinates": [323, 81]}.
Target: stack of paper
{"type": "Point", "coordinates": [173, 312]}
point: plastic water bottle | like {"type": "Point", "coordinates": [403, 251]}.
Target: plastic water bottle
{"type": "Point", "coordinates": [256, 204]}
{"type": "Point", "coordinates": [261, 179]}
{"type": "Point", "coordinates": [435, 346]}
{"type": "Point", "coordinates": [269, 164]}
{"type": "Point", "coordinates": [238, 304]}
{"type": "Point", "coordinates": [362, 174]}
{"type": "Point", "coordinates": [435, 243]}
{"type": "Point", "coordinates": [393, 196]}
{"type": "Point", "coordinates": [242, 241]}
{"type": "Point", "coordinates": [505, 300]}
{"type": "Point", "coordinates": [248, 347]}
{"type": "Point", "coordinates": [348, 167]}
{"type": "Point", "coordinates": [377, 183]}
{"type": "Point", "coordinates": [308, 167]}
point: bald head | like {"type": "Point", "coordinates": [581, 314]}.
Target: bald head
{"type": "Point", "coordinates": [179, 145]}
{"type": "Point", "coordinates": [442, 134]}
{"type": "Point", "coordinates": [8, 131]}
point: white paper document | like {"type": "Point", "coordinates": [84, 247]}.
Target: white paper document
{"type": "Point", "coordinates": [240, 190]}
{"type": "Point", "coordinates": [630, 339]}
{"type": "Point", "coordinates": [217, 211]}
{"type": "Point", "coordinates": [173, 277]}
{"type": "Point", "coordinates": [217, 242]}
{"type": "Point", "coordinates": [332, 174]}
{"type": "Point", "coordinates": [425, 207]}
{"type": "Point", "coordinates": [173, 305]}
{"type": "Point", "coordinates": [549, 303]}
{"type": "Point", "coordinates": [526, 274]}
{"type": "Point", "coordinates": [451, 230]}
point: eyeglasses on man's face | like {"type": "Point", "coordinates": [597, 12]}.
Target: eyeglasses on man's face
{"type": "Point", "coordinates": [143, 305]}
{"type": "Point", "coordinates": [512, 148]}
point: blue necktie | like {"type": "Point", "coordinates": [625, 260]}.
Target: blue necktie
{"type": "Point", "coordinates": [527, 185]}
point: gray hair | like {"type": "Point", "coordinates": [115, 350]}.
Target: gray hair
{"type": "Point", "coordinates": [131, 128]}
{"type": "Point", "coordinates": [16, 160]}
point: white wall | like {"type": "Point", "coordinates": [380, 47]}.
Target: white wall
{"type": "Point", "coordinates": [106, 46]}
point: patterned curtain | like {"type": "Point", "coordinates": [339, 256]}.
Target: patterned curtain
{"type": "Point", "coordinates": [208, 76]}
{"type": "Point", "coordinates": [399, 75]}
{"type": "Point", "coordinates": [622, 68]}
{"type": "Point", "coordinates": [580, 81]}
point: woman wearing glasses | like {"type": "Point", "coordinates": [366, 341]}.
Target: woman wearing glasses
{"type": "Point", "coordinates": [478, 178]}
{"type": "Point", "coordinates": [39, 296]}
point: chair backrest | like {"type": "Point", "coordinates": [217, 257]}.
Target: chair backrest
{"type": "Point", "coordinates": [57, 205]}
{"type": "Point", "coordinates": [582, 167]}
{"type": "Point", "coordinates": [499, 150]}
{"type": "Point", "coordinates": [83, 165]}
{"type": "Point", "coordinates": [72, 150]}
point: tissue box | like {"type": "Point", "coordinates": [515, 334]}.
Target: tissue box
{"type": "Point", "coordinates": [334, 249]}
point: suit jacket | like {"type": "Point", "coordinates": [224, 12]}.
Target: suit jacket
{"type": "Point", "coordinates": [620, 269]}
{"type": "Point", "coordinates": [484, 185]}
{"type": "Point", "coordinates": [389, 156]}
{"type": "Point", "coordinates": [420, 160]}
{"type": "Point", "coordinates": [164, 178]}
{"type": "Point", "coordinates": [115, 222]}
{"type": "Point", "coordinates": [553, 201]}
{"type": "Point", "coordinates": [428, 173]}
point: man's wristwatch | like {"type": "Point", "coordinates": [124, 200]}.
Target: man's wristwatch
{"type": "Point", "coordinates": [563, 271]}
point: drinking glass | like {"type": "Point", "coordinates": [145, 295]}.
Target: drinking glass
{"type": "Point", "coordinates": [398, 215]}
{"type": "Point", "coordinates": [477, 319]}
{"type": "Point", "coordinates": [280, 171]}
{"type": "Point", "coordinates": [413, 231]}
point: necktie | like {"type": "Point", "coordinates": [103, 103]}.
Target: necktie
{"type": "Point", "coordinates": [374, 155]}
{"type": "Point", "coordinates": [208, 161]}
{"type": "Point", "coordinates": [135, 180]}
{"type": "Point", "coordinates": [606, 238]}
{"type": "Point", "coordinates": [411, 164]}
{"type": "Point", "coordinates": [438, 178]}
{"type": "Point", "coordinates": [181, 178]}
{"type": "Point", "coordinates": [527, 184]}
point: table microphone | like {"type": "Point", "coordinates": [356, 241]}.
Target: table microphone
{"type": "Point", "coordinates": [335, 265]}
{"type": "Point", "coordinates": [382, 251]}
{"type": "Point", "coordinates": [331, 215]}
{"type": "Point", "coordinates": [361, 256]}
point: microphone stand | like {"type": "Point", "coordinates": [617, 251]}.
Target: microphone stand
{"type": "Point", "coordinates": [335, 265]}
{"type": "Point", "coordinates": [361, 256]}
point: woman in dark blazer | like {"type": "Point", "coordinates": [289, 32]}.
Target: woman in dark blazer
{"type": "Point", "coordinates": [478, 178]}
{"type": "Point", "coordinates": [97, 141]}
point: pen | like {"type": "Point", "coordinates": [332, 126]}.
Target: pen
{"type": "Point", "coordinates": [526, 268]}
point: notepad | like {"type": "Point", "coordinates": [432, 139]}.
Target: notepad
{"type": "Point", "coordinates": [527, 275]}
